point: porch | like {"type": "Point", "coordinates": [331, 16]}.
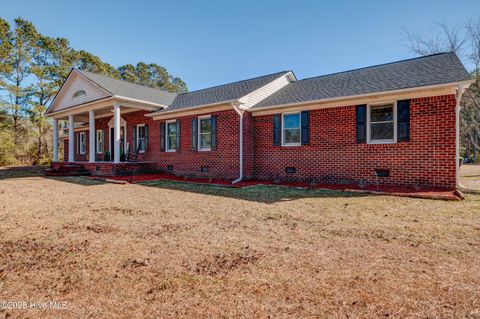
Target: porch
{"type": "Point", "coordinates": [86, 101]}
{"type": "Point", "coordinates": [117, 147]}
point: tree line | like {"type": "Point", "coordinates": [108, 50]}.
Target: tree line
{"type": "Point", "coordinates": [32, 68]}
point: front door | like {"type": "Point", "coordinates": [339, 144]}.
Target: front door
{"type": "Point", "coordinates": [122, 143]}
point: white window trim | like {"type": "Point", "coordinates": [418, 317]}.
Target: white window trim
{"type": "Point", "coordinates": [83, 143]}
{"type": "Point", "coordinates": [392, 141]}
{"type": "Point", "coordinates": [98, 144]}
{"type": "Point", "coordinates": [166, 136]}
{"type": "Point", "coordinates": [199, 133]}
{"type": "Point", "coordinates": [138, 136]}
{"type": "Point", "coordinates": [300, 128]}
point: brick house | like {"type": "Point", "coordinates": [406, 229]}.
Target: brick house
{"type": "Point", "coordinates": [395, 124]}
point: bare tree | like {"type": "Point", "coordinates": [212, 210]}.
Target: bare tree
{"type": "Point", "coordinates": [464, 40]}
{"type": "Point", "coordinates": [446, 39]}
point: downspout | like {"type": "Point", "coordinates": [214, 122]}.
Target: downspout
{"type": "Point", "coordinates": [460, 90]}
{"type": "Point", "coordinates": [240, 114]}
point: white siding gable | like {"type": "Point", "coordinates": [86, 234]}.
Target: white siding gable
{"type": "Point", "coordinates": [256, 96]}
{"type": "Point", "coordinates": [77, 82]}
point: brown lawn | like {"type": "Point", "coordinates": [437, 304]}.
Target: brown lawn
{"type": "Point", "coordinates": [176, 250]}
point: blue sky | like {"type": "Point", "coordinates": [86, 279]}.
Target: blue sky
{"type": "Point", "coordinates": [208, 43]}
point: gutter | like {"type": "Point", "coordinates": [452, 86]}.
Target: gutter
{"type": "Point", "coordinates": [240, 114]}
{"type": "Point", "coordinates": [460, 90]}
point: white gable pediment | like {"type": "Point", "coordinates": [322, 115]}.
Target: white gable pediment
{"type": "Point", "coordinates": [71, 93]}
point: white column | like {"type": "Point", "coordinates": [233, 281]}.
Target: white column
{"type": "Point", "coordinates": [55, 140]}
{"type": "Point", "coordinates": [71, 136]}
{"type": "Point", "coordinates": [91, 144]}
{"type": "Point", "coordinates": [116, 130]}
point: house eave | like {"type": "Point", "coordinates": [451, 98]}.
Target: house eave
{"type": "Point", "coordinates": [196, 109]}
{"type": "Point", "coordinates": [352, 98]}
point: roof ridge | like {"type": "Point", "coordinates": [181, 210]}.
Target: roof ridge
{"type": "Point", "coordinates": [376, 65]}
{"type": "Point", "coordinates": [230, 83]}
{"type": "Point", "coordinates": [125, 81]}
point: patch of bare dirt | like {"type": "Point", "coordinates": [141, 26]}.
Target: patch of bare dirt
{"type": "Point", "coordinates": [99, 229]}
{"type": "Point", "coordinates": [223, 263]}
{"type": "Point", "coordinates": [135, 263]}
{"type": "Point", "coordinates": [120, 211]}
{"type": "Point", "coordinates": [30, 255]}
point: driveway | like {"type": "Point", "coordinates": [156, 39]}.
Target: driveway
{"type": "Point", "coordinates": [470, 176]}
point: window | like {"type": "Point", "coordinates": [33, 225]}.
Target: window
{"type": "Point", "coordinates": [171, 136]}
{"type": "Point", "coordinates": [291, 129]}
{"type": "Point", "coordinates": [82, 143]}
{"type": "Point", "coordinates": [79, 93]}
{"type": "Point", "coordinates": [382, 123]}
{"type": "Point", "coordinates": [141, 137]}
{"type": "Point", "coordinates": [205, 133]}
{"type": "Point", "coordinates": [100, 139]}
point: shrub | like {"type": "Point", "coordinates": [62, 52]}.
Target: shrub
{"type": "Point", "coordinates": [7, 148]}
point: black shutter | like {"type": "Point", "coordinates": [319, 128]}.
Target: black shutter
{"type": "Point", "coordinates": [305, 133]}
{"type": "Point", "coordinates": [194, 133]}
{"type": "Point", "coordinates": [361, 116]}
{"type": "Point", "coordinates": [134, 139]}
{"type": "Point", "coordinates": [178, 134]}
{"type": "Point", "coordinates": [103, 141]}
{"type": "Point", "coordinates": [213, 121]}
{"type": "Point", "coordinates": [403, 118]}
{"type": "Point", "coordinates": [77, 142]}
{"type": "Point", "coordinates": [146, 137]}
{"type": "Point", "coordinates": [277, 129]}
{"type": "Point", "coordinates": [162, 136]}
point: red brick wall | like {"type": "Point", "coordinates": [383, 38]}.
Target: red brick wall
{"type": "Point", "coordinates": [248, 155]}
{"type": "Point", "coordinates": [222, 162]}
{"type": "Point", "coordinates": [333, 155]}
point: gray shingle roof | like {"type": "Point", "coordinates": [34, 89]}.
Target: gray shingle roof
{"type": "Point", "coordinates": [222, 93]}
{"type": "Point", "coordinates": [131, 90]}
{"type": "Point", "coordinates": [423, 71]}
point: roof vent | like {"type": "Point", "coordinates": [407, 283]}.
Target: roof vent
{"type": "Point", "coordinates": [79, 93]}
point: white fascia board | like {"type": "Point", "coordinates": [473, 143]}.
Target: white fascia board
{"type": "Point", "coordinates": [265, 91]}
{"type": "Point", "coordinates": [107, 102]}
{"type": "Point", "coordinates": [187, 109]}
